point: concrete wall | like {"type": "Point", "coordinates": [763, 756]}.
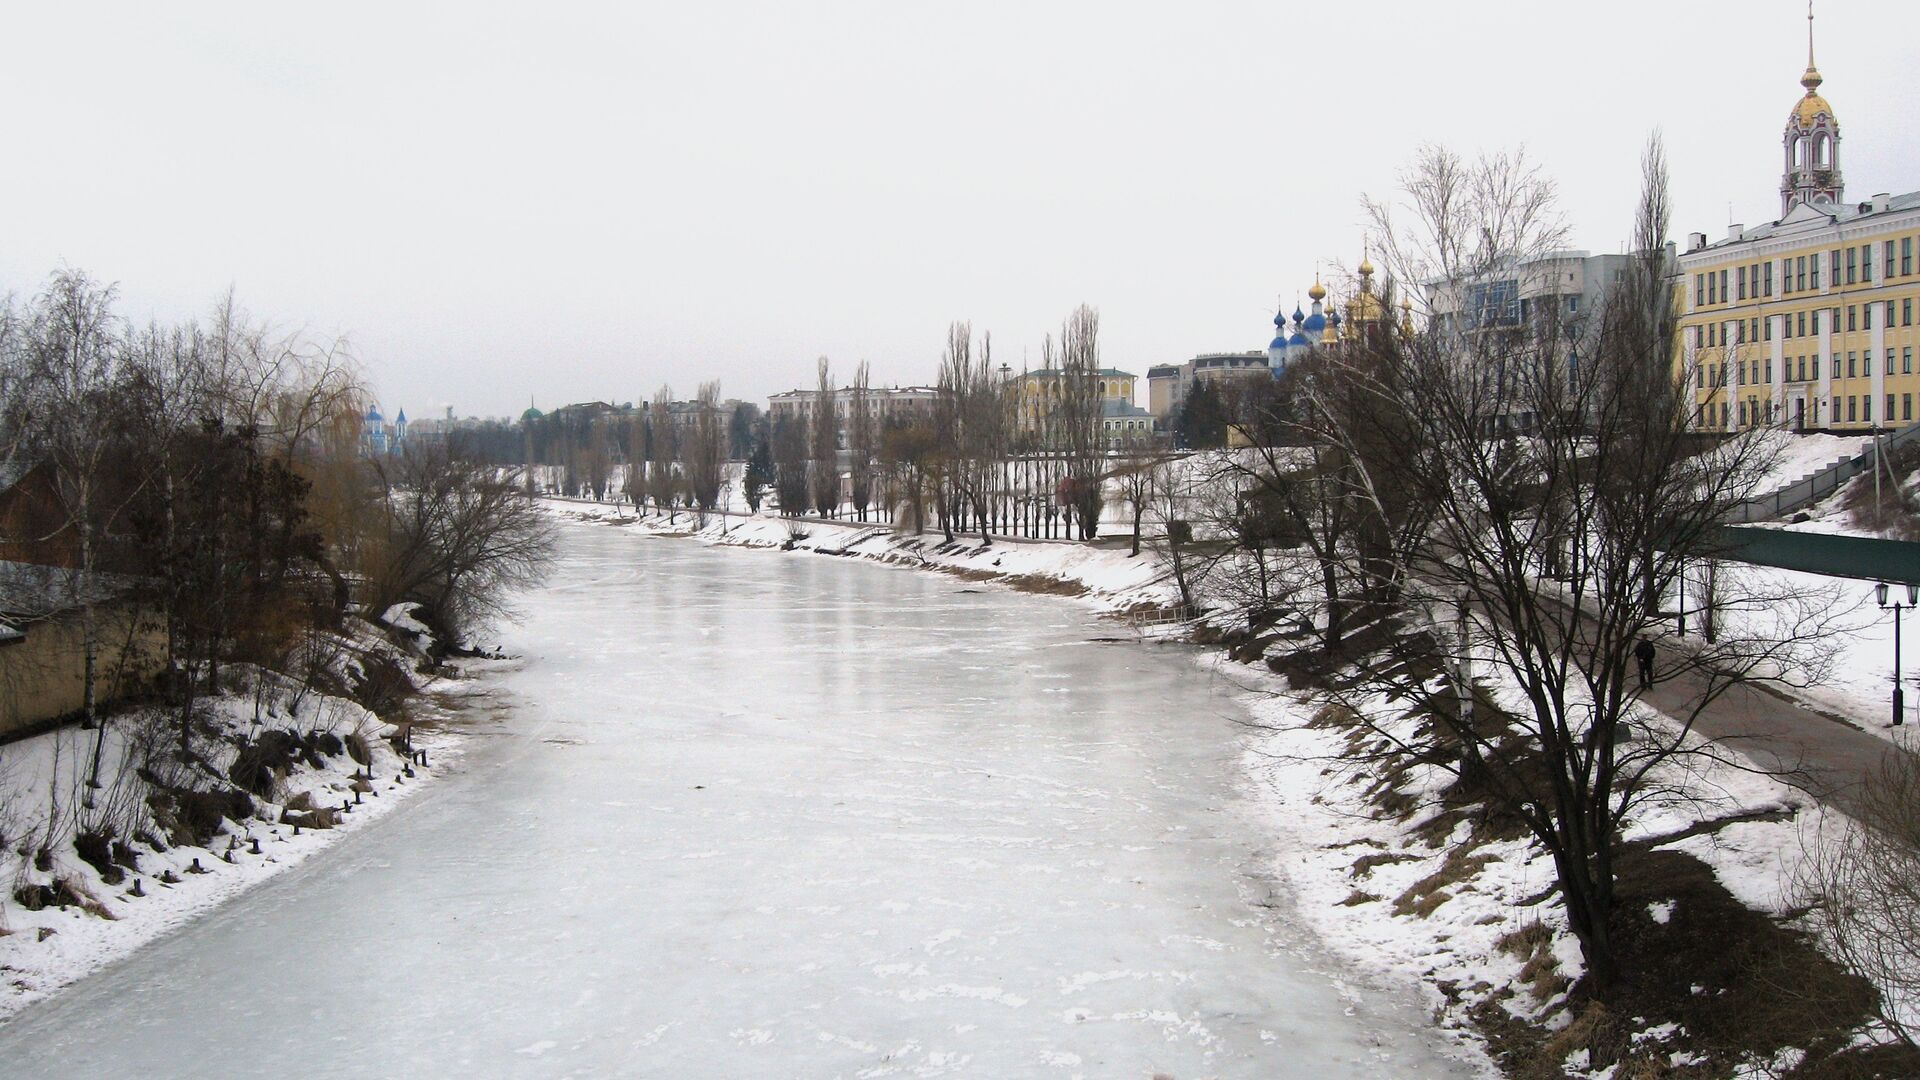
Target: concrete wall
{"type": "Point", "coordinates": [44, 676]}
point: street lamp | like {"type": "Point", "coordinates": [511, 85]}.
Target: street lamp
{"type": "Point", "coordinates": [1913, 598]}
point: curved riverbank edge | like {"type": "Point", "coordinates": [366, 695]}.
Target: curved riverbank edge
{"type": "Point", "coordinates": [1469, 917]}
{"type": "Point", "coordinates": [1302, 809]}
{"type": "Point", "coordinates": [155, 887]}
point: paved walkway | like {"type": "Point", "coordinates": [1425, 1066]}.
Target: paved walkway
{"type": "Point", "coordinates": [1810, 748]}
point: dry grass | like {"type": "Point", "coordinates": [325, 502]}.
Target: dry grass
{"type": "Point", "coordinates": [1032, 583]}
{"type": "Point", "coordinates": [1737, 984]}
{"type": "Point", "coordinates": [1364, 865]}
{"type": "Point", "coordinates": [1456, 872]}
{"type": "Point", "coordinates": [1532, 945]}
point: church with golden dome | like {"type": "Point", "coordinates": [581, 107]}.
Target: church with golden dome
{"type": "Point", "coordinates": [1812, 143]}
{"type": "Point", "coordinates": [1324, 324]}
{"type": "Point", "coordinates": [1807, 322]}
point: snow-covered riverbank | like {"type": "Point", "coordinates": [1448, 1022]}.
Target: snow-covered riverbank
{"type": "Point", "coordinates": [64, 916]}
{"type": "Point", "coordinates": [1472, 920]}
{"type": "Point", "coordinates": [761, 814]}
{"type": "Point", "coordinates": [1105, 575]}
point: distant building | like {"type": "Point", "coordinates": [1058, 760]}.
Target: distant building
{"type": "Point", "coordinates": [1037, 394]}
{"type": "Point", "coordinates": [1806, 322]}
{"type": "Point", "coordinates": [890, 404]}
{"type": "Point", "coordinates": [1573, 282]}
{"type": "Point", "coordinates": [1295, 336]}
{"type": "Point", "coordinates": [1566, 287]}
{"type": "Point", "coordinates": [1123, 423]}
{"type": "Point", "coordinates": [378, 438]}
{"type": "Point", "coordinates": [1169, 384]}
{"type": "Point", "coordinates": [1166, 388]}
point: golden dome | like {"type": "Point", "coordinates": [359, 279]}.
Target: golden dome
{"type": "Point", "coordinates": [1812, 106]}
{"type": "Point", "coordinates": [1365, 307]}
{"type": "Point", "coordinates": [1319, 291]}
{"type": "Point", "coordinates": [1808, 109]}
{"type": "Point", "coordinates": [1366, 266]}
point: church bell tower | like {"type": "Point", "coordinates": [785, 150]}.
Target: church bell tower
{"type": "Point", "coordinates": [1812, 143]}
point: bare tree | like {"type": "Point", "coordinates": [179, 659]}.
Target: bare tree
{"type": "Point", "coordinates": [912, 451]}
{"type": "Point", "coordinates": [1137, 471]}
{"type": "Point", "coordinates": [863, 442]}
{"type": "Point", "coordinates": [975, 423]}
{"type": "Point", "coordinates": [1455, 525]}
{"type": "Point", "coordinates": [1860, 881]}
{"type": "Point", "coordinates": [824, 446]}
{"type": "Point", "coordinates": [1170, 494]}
{"type": "Point", "coordinates": [1299, 496]}
{"type": "Point", "coordinates": [14, 366]}
{"type": "Point", "coordinates": [456, 538]}
{"type": "Point", "coordinates": [288, 389]}
{"type": "Point", "coordinates": [66, 409]}
{"type": "Point", "coordinates": [1073, 421]}
{"type": "Point", "coordinates": [596, 458]}
{"type": "Point", "coordinates": [638, 437]}
{"type": "Point", "coordinates": [707, 449]}
{"type": "Point", "coordinates": [663, 435]}
{"type": "Point", "coordinates": [789, 453]}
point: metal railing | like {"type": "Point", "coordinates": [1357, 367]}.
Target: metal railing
{"type": "Point", "coordinates": [1812, 488]}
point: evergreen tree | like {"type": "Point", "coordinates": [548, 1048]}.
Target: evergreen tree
{"type": "Point", "coordinates": [759, 475]}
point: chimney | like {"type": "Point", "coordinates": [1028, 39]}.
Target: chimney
{"type": "Point", "coordinates": [1696, 241]}
{"type": "Point", "coordinates": [1880, 203]}
{"type": "Point", "coordinates": [1736, 232]}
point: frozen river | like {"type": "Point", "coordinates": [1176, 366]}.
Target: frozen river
{"type": "Point", "coordinates": [751, 814]}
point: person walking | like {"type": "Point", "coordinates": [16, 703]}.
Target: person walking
{"type": "Point", "coordinates": [1643, 652]}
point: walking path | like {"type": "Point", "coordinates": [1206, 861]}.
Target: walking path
{"type": "Point", "coordinates": [1816, 751]}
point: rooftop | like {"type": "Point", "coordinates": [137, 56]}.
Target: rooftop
{"type": "Point", "coordinates": [1110, 373]}
{"type": "Point", "coordinates": [32, 591]}
{"type": "Point", "coordinates": [1815, 217]}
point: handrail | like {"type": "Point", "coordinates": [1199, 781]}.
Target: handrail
{"type": "Point", "coordinates": [1812, 488]}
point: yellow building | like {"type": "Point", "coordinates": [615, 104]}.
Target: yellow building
{"type": "Point", "coordinates": [1037, 393]}
{"type": "Point", "coordinates": [1807, 322]}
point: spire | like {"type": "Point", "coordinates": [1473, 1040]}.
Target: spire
{"type": "Point", "coordinates": [1811, 79]}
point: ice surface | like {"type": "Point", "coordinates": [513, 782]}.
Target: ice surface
{"type": "Point", "coordinates": [766, 814]}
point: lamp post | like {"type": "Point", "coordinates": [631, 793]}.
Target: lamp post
{"type": "Point", "coordinates": [1913, 598]}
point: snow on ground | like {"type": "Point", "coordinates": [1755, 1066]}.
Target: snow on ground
{"type": "Point", "coordinates": [752, 813]}
{"type": "Point", "coordinates": [41, 778]}
{"type": "Point", "coordinates": [1794, 456]}
{"type": "Point", "coordinates": [1319, 807]}
{"type": "Point", "coordinates": [1857, 684]}
{"type": "Point", "coordinates": [1112, 579]}
{"type": "Point", "coordinates": [1380, 893]}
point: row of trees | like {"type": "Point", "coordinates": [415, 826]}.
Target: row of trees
{"type": "Point", "coordinates": [989, 453]}
{"type": "Point", "coordinates": [213, 474]}
{"type": "Point", "coordinates": [986, 454]}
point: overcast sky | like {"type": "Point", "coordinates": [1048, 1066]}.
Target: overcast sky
{"type": "Point", "coordinates": [578, 201]}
